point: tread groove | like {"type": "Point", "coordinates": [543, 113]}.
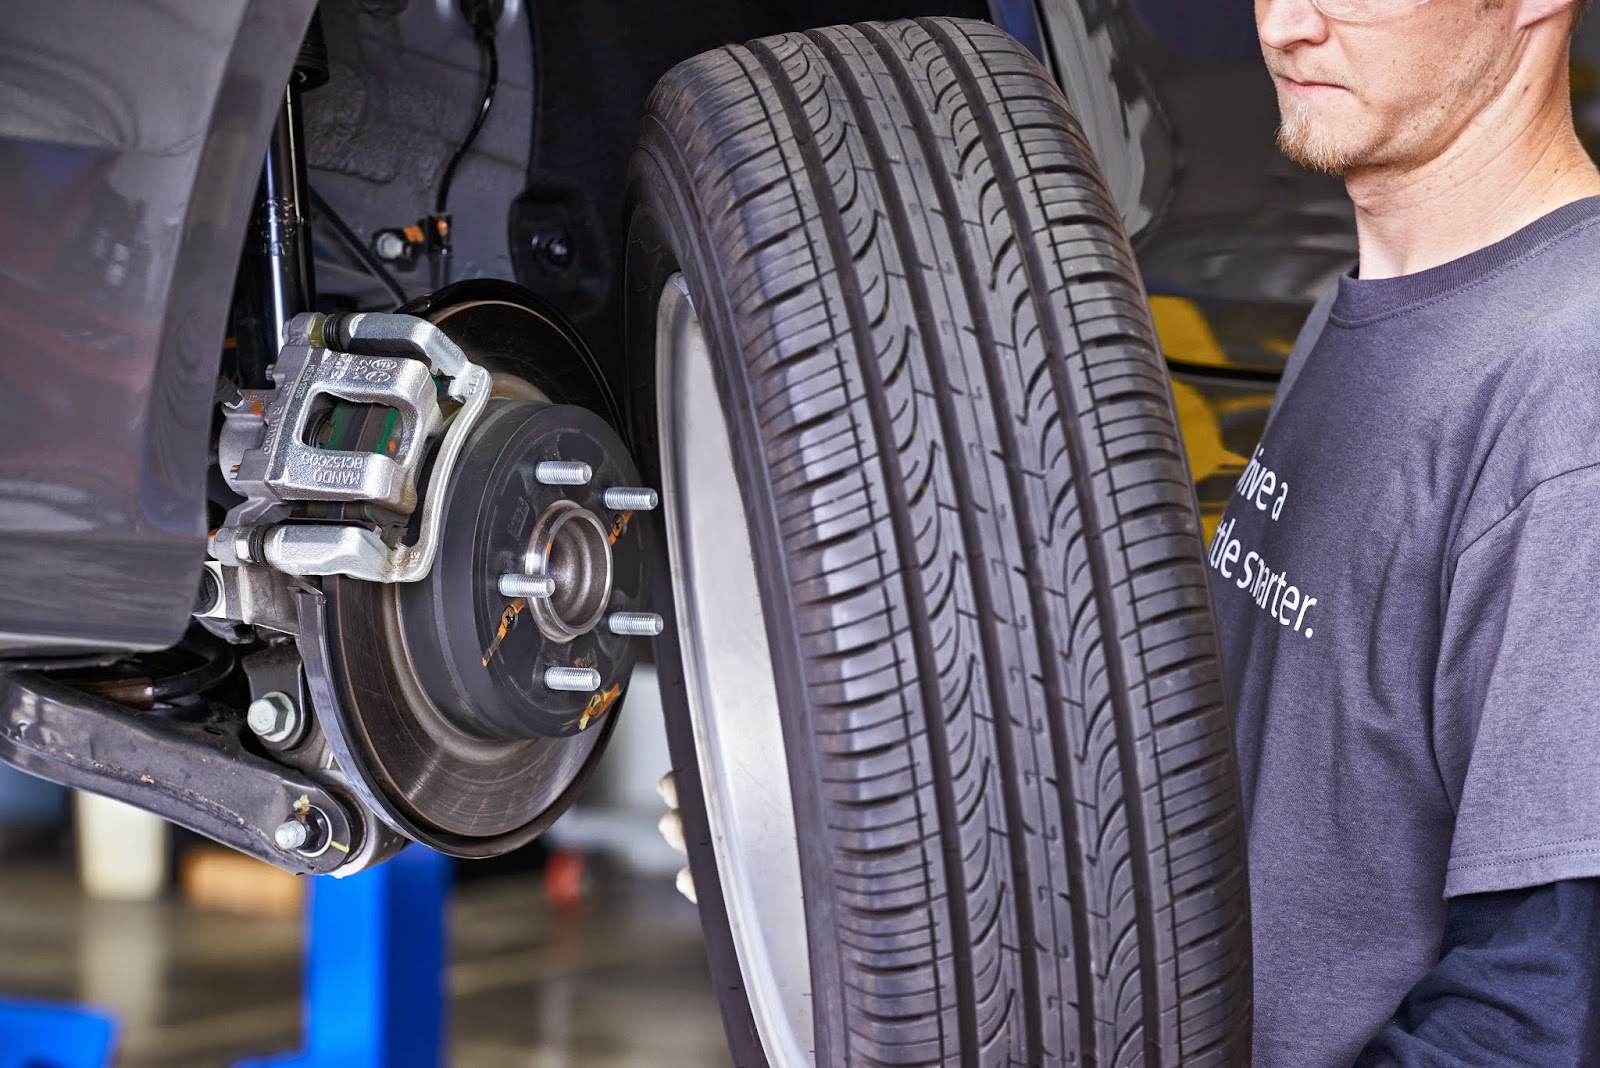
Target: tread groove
{"type": "Point", "coordinates": [966, 1000]}
{"type": "Point", "coordinates": [969, 275]}
{"type": "Point", "coordinates": [1034, 271]}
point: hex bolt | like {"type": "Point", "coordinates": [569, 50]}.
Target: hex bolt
{"type": "Point", "coordinates": [516, 585]}
{"type": "Point", "coordinates": [389, 245]}
{"type": "Point", "coordinates": [563, 473]}
{"type": "Point", "coordinates": [576, 680]}
{"type": "Point", "coordinates": [630, 499]}
{"type": "Point", "coordinates": [645, 624]}
{"type": "Point", "coordinates": [245, 544]}
{"type": "Point", "coordinates": [273, 716]}
{"type": "Point", "coordinates": [291, 835]}
{"type": "Point", "coordinates": [554, 247]}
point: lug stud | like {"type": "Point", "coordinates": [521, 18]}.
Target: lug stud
{"type": "Point", "coordinates": [630, 499]}
{"type": "Point", "coordinates": [574, 680]}
{"type": "Point", "coordinates": [518, 585]}
{"type": "Point", "coordinates": [563, 473]}
{"type": "Point", "coordinates": [646, 624]}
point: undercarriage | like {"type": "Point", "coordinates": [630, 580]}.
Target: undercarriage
{"type": "Point", "coordinates": [426, 595]}
{"type": "Point", "coordinates": [424, 585]}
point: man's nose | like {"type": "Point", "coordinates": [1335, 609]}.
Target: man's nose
{"type": "Point", "coordinates": [1283, 23]}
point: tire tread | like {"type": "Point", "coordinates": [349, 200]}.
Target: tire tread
{"type": "Point", "coordinates": [989, 538]}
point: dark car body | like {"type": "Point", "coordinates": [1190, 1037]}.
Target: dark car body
{"type": "Point", "coordinates": [131, 137]}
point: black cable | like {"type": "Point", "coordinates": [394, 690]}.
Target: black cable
{"type": "Point", "coordinates": [439, 243]}
{"type": "Point", "coordinates": [216, 661]}
{"type": "Point", "coordinates": [358, 248]}
{"type": "Point", "coordinates": [491, 65]}
{"type": "Point", "coordinates": [147, 679]}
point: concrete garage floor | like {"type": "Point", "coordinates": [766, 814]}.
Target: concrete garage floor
{"type": "Point", "coordinates": [623, 984]}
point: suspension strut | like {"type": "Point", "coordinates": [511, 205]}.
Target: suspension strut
{"type": "Point", "coordinates": [278, 281]}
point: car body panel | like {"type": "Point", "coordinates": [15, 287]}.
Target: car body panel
{"type": "Point", "coordinates": [131, 138]}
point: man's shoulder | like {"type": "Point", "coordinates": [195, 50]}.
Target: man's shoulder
{"type": "Point", "coordinates": [1536, 418]}
{"type": "Point", "coordinates": [1551, 292]}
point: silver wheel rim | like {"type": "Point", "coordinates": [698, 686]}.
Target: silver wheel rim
{"type": "Point", "coordinates": [732, 694]}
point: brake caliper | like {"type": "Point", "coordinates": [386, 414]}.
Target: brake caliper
{"type": "Point", "coordinates": [272, 454]}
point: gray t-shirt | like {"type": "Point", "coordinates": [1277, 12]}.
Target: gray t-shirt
{"type": "Point", "coordinates": [1408, 585]}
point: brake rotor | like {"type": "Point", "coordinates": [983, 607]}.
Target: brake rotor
{"type": "Point", "coordinates": [444, 719]}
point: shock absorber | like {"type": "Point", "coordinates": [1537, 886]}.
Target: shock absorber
{"type": "Point", "coordinates": [277, 280]}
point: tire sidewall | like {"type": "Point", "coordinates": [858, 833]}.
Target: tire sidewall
{"type": "Point", "coordinates": [664, 236]}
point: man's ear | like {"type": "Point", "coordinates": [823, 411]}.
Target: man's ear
{"type": "Point", "coordinates": [1530, 12]}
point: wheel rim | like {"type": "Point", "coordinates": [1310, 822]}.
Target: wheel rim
{"type": "Point", "coordinates": [731, 690]}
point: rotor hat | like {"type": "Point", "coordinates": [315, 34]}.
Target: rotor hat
{"type": "Point", "coordinates": [482, 656]}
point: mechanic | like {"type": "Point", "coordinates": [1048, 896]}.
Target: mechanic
{"type": "Point", "coordinates": [1421, 767]}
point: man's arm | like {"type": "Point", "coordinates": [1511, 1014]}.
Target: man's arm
{"type": "Point", "coordinates": [1516, 984]}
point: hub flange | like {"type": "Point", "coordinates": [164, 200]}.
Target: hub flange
{"type": "Point", "coordinates": [480, 655]}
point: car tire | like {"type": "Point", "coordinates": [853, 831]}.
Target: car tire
{"type": "Point", "coordinates": [890, 355]}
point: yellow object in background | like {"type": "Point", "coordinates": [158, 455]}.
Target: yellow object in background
{"type": "Point", "coordinates": [1207, 415]}
{"type": "Point", "coordinates": [1185, 335]}
{"type": "Point", "coordinates": [1202, 442]}
{"type": "Point", "coordinates": [1202, 433]}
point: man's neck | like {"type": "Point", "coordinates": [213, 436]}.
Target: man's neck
{"type": "Point", "coordinates": [1518, 160]}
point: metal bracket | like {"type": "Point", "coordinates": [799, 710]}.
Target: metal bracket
{"type": "Point", "coordinates": [249, 594]}
{"type": "Point", "coordinates": [265, 457]}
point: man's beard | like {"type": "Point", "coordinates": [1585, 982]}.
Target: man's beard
{"type": "Point", "coordinates": [1406, 134]}
{"type": "Point", "coordinates": [1311, 142]}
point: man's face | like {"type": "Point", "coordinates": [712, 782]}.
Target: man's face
{"type": "Point", "coordinates": [1390, 94]}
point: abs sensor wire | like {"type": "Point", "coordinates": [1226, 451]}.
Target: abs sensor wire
{"type": "Point", "coordinates": [357, 247]}
{"type": "Point", "coordinates": [146, 680]}
{"type": "Point", "coordinates": [439, 247]}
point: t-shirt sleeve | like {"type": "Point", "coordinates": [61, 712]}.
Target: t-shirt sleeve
{"type": "Point", "coordinates": [1516, 708]}
{"type": "Point", "coordinates": [1516, 983]}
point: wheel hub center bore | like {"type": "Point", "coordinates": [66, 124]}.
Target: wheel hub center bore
{"type": "Point", "coordinates": [572, 547]}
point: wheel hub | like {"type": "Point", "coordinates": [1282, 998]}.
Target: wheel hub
{"type": "Point", "coordinates": [572, 547]}
{"type": "Point", "coordinates": [483, 656]}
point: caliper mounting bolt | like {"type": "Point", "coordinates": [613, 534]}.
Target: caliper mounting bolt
{"type": "Point", "coordinates": [518, 585]}
{"type": "Point", "coordinates": [563, 473]}
{"type": "Point", "coordinates": [575, 680]}
{"type": "Point", "coordinates": [630, 499]}
{"type": "Point", "coordinates": [647, 624]}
